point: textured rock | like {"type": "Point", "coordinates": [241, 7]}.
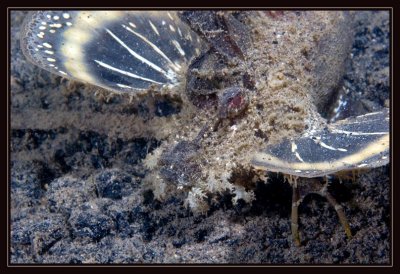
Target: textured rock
{"type": "Point", "coordinates": [67, 193]}
{"type": "Point", "coordinates": [40, 232]}
{"type": "Point", "coordinates": [87, 221]}
{"type": "Point", "coordinates": [114, 184]}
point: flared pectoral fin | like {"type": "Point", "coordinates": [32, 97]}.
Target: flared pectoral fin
{"type": "Point", "coordinates": [126, 51]}
{"type": "Point", "coordinates": [354, 143]}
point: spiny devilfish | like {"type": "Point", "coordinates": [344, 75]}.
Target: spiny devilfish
{"type": "Point", "coordinates": [210, 60]}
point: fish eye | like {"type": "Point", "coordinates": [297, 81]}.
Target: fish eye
{"type": "Point", "coordinates": [233, 102]}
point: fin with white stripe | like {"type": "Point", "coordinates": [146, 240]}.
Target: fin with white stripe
{"type": "Point", "coordinates": [354, 143]}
